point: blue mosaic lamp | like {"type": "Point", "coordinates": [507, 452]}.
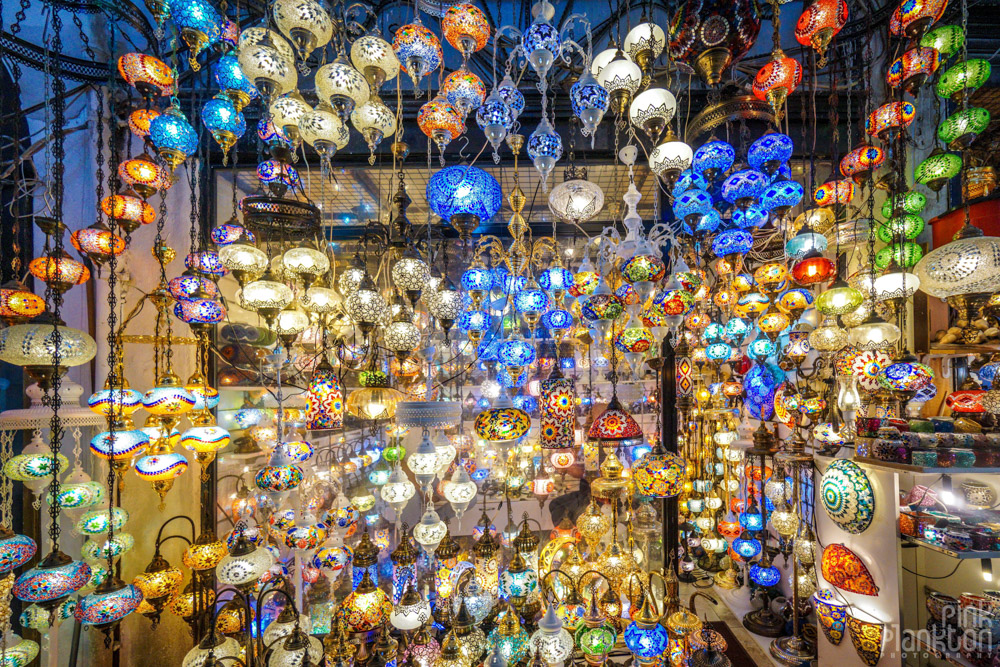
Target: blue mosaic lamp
{"type": "Point", "coordinates": [54, 579]}
{"type": "Point", "coordinates": [589, 100]}
{"type": "Point", "coordinates": [545, 148]}
{"type": "Point", "coordinates": [224, 121]}
{"type": "Point", "coordinates": [744, 186]}
{"type": "Point", "coordinates": [199, 24]}
{"type": "Point", "coordinates": [556, 280]}
{"type": "Point", "coordinates": [714, 158]}
{"type": "Point", "coordinates": [495, 119]}
{"type": "Point", "coordinates": [705, 224]}
{"type": "Point", "coordinates": [805, 243]}
{"type": "Point", "coordinates": [464, 196]}
{"type": "Point", "coordinates": [746, 546]}
{"type": "Point", "coordinates": [516, 354]}
{"type": "Point", "coordinates": [754, 215]}
{"type": "Point", "coordinates": [173, 136]}
{"type": "Point", "coordinates": [557, 321]}
{"type": "Point", "coordinates": [732, 242]}
{"type": "Point", "coordinates": [110, 603]}
{"type": "Point", "coordinates": [474, 323]}
{"type": "Point", "coordinates": [477, 280]}
{"type": "Point", "coordinates": [780, 196]}
{"type": "Point", "coordinates": [206, 263]}
{"type": "Point", "coordinates": [689, 180]}
{"type": "Point", "coordinates": [763, 573]}
{"type": "Point", "coordinates": [512, 96]}
{"type": "Point", "coordinates": [234, 82]}
{"type": "Point", "coordinates": [770, 151]}
{"type": "Point", "coordinates": [198, 313]}
{"type": "Point", "coordinates": [541, 42]}
{"type": "Point", "coordinates": [531, 302]}
{"type": "Point", "coordinates": [504, 283]}
{"type": "Point", "coordinates": [692, 204]}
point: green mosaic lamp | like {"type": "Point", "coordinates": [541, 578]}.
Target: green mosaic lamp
{"type": "Point", "coordinates": [904, 202]}
{"type": "Point", "coordinates": [905, 254]}
{"type": "Point", "coordinates": [961, 128]}
{"type": "Point", "coordinates": [938, 168]}
{"type": "Point", "coordinates": [947, 39]}
{"type": "Point", "coordinates": [963, 78]}
{"type": "Point", "coordinates": [906, 226]}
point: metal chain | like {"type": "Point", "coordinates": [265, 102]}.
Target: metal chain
{"type": "Point", "coordinates": [53, 296]}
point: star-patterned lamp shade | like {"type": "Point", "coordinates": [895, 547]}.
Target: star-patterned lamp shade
{"type": "Point", "coordinates": [844, 569]}
{"type": "Point", "coordinates": [614, 424]}
{"type": "Point", "coordinates": [150, 76]}
{"type": "Point", "coordinates": [558, 408]}
{"type": "Point", "coordinates": [847, 496]}
{"type": "Point", "coordinates": [861, 162]}
{"type": "Point", "coordinates": [890, 118]}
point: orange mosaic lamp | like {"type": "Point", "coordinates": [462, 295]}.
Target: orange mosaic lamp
{"type": "Point", "coordinates": [144, 175]}
{"type": "Point", "coordinates": [834, 193]}
{"type": "Point", "coordinates": [128, 210]}
{"type": "Point", "coordinates": [439, 120]}
{"type": "Point", "coordinates": [19, 304]}
{"type": "Point", "coordinates": [98, 243]}
{"type": "Point", "coordinates": [466, 28]}
{"type": "Point", "coordinates": [59, 271]}
{"type": "Point", "coordinates": [139, 120]}
{"type": "Point", "coordinates": [912, 69]}
{"type": "Point", "coordinates": [150, 76]}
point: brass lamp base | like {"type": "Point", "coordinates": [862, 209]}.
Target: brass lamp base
{"type": "Point", "coordinates": [764, 622]}
{"type": "Point", "coordinates": [792, 651]}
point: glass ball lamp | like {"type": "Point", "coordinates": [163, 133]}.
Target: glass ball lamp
{"type": "Point", "coordinates": [304, 22]}
{"type": "Point", "coordinates": [268, 61]}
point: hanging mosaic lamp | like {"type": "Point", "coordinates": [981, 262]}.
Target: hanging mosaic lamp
{"type": "Point", "coordinates": [464, 90]}
{"type": "Point", "coordinates": [888, 119]}
{"type": "Point", "coordinates": [713, 158]}
{"type": "Point", "coordinates": [225, 123]}
{"type": "Point", "coordinates": [614, 424]}
{"type": "Point", "coordinates": [441, 121]}
{"type": "Point", "coordinates": [150, 76]}
{"type": "Point", "coordinates": [963, 127]}
{"type": "Point", "coordinates": [819, 23]}
{"type": "Point", "coordinates": [937, 169]}
{"type": "Point", "coordinates": [173, 136]}
{"type": "Point", "coordinates": [946, 39]}
{"type": "Point", "coordinates": [200, 26]}
{"type": "Point", "coordinates": [912, 17]}
{"type": "Point", "coordinates": [912, 69]}
{"type": "Point", "coordinates": [464, 196]}
{"type": "Point", "coordinates": [861, 162]}
{"type": "Point", "coordinates": [418, 50]}
{"type": "Point", "coordinates": [776, 80]}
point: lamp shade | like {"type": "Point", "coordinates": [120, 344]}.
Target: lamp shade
{"type": "Point", "coordinates": [464, 191]}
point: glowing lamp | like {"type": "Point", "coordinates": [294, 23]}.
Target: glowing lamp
{"type": "Point", "coordinates": [150, 76]}
{"type": "Point", "coordinates": [417, 49]}
{"type": "Point", "coordinates": [819, 23]}
{"type": "Point", "coordinates": [776, 80]}
{"type": "Point", "coordinates": [912, 69]}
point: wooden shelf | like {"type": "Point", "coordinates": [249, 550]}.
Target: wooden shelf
{"type": "Point", "coordinates": [960, 555]}
{"type": "Point", "coordinates": [956, 350]}
{"type": "Point", "coordinates": [921, 470]}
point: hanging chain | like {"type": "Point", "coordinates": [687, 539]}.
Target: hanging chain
{"type": "Point", "coordinates": [54, 296]}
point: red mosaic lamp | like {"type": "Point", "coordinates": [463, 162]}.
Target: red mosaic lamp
{"type": "Point", "coordinates": [819, 24]}
{"type": "Point", "coordinates": [614, 424]}
{"type": "Point", "coordinates": [912, 69]}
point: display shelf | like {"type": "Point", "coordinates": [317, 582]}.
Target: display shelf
{"type": "Point", "coordinates": [960, 555]}
{"type": "Point", "coordinates": [920, 470]}
{"type": "Point", "coordinates": [951, 659]}
{"type": "Point", "coordinates": [963, 350]}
